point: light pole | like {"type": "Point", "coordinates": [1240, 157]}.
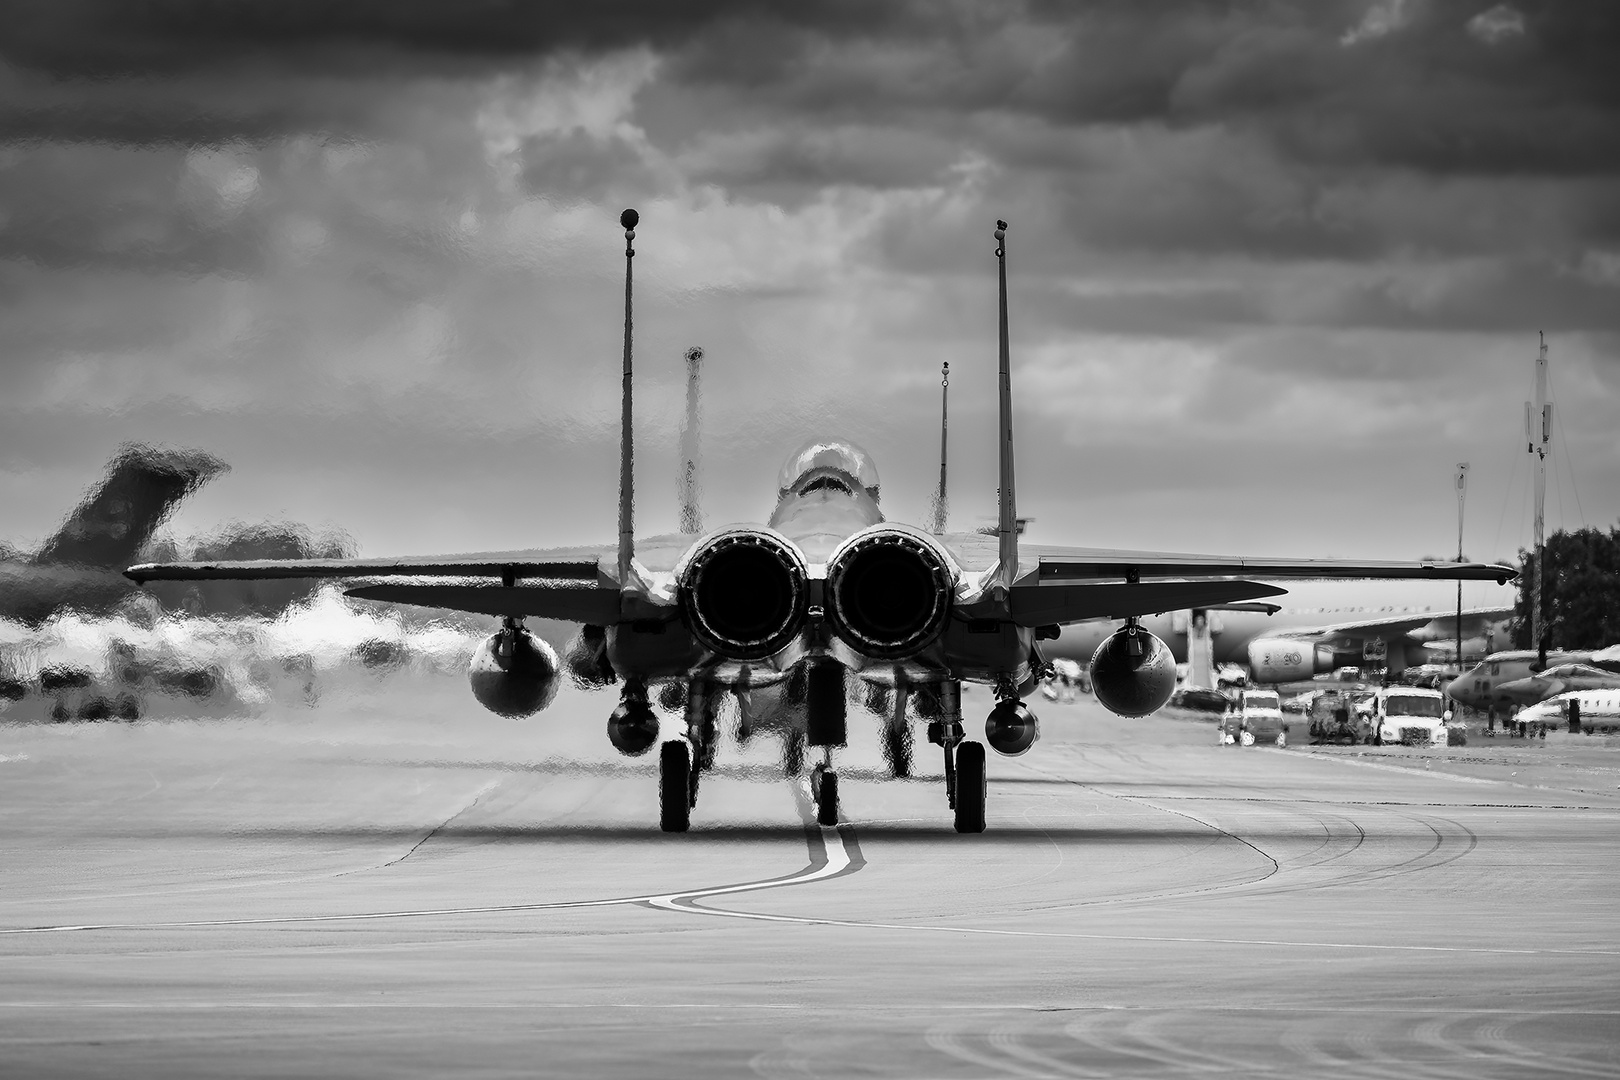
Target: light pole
{"type": "Point", "coordinates": [1462, 494]}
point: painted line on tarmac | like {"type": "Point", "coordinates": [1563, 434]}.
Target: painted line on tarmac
{"type": "Point", "coordinates": [830, 857]}
{"type": "Point", "coordinates": [834, 852]}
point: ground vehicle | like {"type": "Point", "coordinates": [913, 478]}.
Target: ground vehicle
{"type": "Point", "coordinates": [1258, 718]}
{"type": "Point", "coordinates": [1411, 715]}
{"type": "Point", "coordinates": [1334, 719]}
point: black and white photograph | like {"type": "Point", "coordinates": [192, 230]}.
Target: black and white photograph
{"type": "Point", "coordinates": [906, 538]}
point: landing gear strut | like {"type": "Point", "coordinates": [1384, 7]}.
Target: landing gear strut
{"type": "Point", "coordinates": [965, 785]}
{"type": "Point", "coordinates": [897, 737]}
{"type": "Point", "coordinates": [825, 726]}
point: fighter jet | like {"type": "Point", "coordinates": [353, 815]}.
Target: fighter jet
{"type": "Point", "coordinates": [1481, 686]}
{"type": "Point", "coordinates": [78, 569]}
{"type": "Point", "coordinates": [1562, 679]}
{"type": "Point", "coordinates": [825, 588]}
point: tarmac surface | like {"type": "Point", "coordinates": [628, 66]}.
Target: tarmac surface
{"type": "Point", "coordinates": [391, 883]}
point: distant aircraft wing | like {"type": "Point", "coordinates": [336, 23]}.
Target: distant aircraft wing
{"type": "Point", "coordinates": [1393, 625]}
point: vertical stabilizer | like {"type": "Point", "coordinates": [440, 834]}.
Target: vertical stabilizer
{"type": "Point", "coordinates": [627, 524]}
{"type": "Point", "coordinates": [691, 515]}
{"type": "Point", "coordinates": [1007, 524]}
{"type": "Point", "coordinates": [142, 487]}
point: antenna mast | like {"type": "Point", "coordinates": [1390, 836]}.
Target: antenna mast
{"type": "Point", "coordinates": [627, 542]}
{"type": "Point", "coordinates": [1462, 493]}
{"type": "Point", "coordinates": [940, 506]}
{"type": "Point", "coordinates": [691, 516]}
{"type": "Point", "coordinates": [1538, 433]}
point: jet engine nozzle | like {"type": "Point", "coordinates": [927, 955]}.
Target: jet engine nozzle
{"type": "Point", "coordinates": [745, 592]}
{"type": "Point", "coordinates": [513, 673]}
{"type": "Point", "coordinates": [1011, 728]}
{"type": "Point", "coordinates": [889, 591]}
{"type": "Point", "coordinates": [1133, 673]}
{"type": "Point", "coordinates": [633, 728]}
{"type": "Point", "coordinates": [1275, 660]}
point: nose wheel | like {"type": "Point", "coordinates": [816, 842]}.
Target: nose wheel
{"type": "Point", "coordinates": [824, 789]}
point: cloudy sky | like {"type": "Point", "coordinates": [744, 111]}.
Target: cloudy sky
{"type": "Point", "coordinates": [1275, 267]}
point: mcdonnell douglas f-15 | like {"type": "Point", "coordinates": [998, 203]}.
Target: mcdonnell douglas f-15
{"type": "Point", "coordinates": [824, 589]}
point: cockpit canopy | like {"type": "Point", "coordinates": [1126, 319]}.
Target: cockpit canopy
{"type": "Point", "coordinates": [827, 461]}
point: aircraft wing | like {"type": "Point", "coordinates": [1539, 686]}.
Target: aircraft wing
{"type": "Point", "coordinates": [1066, 584]}
{"type": "Point", "coordinates": [657, 553]}
{"type": "Point", "coordinates": [565, 564]}
{"type": "Point", "coordinates": [576, 584]}
{"type": "Point", "coordinates": [1051, 563]}
{"type": "Point", "coordinates": [1089, 564]}
{"type": "Point", "coordinates": [1058, 603]}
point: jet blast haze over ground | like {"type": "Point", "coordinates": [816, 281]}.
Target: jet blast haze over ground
{"type": "Point", "coordinates": [825, 589]}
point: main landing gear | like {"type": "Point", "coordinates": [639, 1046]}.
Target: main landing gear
{"type": "Point", "coordinates": [826, 726]}
{"type": "Point", "coordinates": [966, 786]}
{"type": "Point", "coordinates": [682, 762]}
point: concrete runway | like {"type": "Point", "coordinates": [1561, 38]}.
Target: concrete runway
{"type": "Point", "coordinates": [394, 884]}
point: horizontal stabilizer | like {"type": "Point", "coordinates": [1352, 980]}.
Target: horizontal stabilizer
{"type": "Point", "coordinates": [441, 566]}
{"type": "Point", "coordinates": [572, 603]}
{"type": "Point", "coordinates": [1045, 604]}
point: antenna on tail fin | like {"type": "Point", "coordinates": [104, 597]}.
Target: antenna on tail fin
{"type": "Point", "coordinates": [691, 516]}
{"type": "Point", "coordinates": [627, 541]}
{"type": "Point", "coordinates": [940, 505]}
{"type": "Point", "coordinates": [1007, 525]}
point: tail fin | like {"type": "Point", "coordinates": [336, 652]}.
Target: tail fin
{"type": "Point", "coordinates": [142, 487]}
{"type": "Point", "coordinates": [1007, 525]}
{"type": "Point", "coordinates": [627, 523]}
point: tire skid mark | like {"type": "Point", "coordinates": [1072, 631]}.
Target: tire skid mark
{"type": "Point", "coordinates": [1425, 860]}
{"type": "Point", "coordinates": [828, 859]}
{"type": "Point", "coordinates": [1147, 1030]}
{"type": "Point", "coordinates": [948, 1041]}
{"type": "Point", "coordinates": [1094, 1033]}
{"type": "Point", "coordinates": [1540, 1061]}
{"type": "Point", "coordinates": [1013, 1038]}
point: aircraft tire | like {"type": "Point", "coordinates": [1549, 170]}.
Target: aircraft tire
{"type": "Point", "coordinates": [674, 787]}
{"type": "Point", "coordinates": [897, 750]}
{"type": "Point", "coordinates": [827, 799]}
{"type": "Point", "coordinates": [972, 787]}
{"type": "Point", "coordinates": [793, 753]}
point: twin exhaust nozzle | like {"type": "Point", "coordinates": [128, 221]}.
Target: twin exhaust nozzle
{"type": "Point", "coordinates": [746, 592]}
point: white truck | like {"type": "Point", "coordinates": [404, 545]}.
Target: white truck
{"type": "Point", "coordinates": [1257, 717]}
{"type": "Point", "coordinates": [1409, 715]}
